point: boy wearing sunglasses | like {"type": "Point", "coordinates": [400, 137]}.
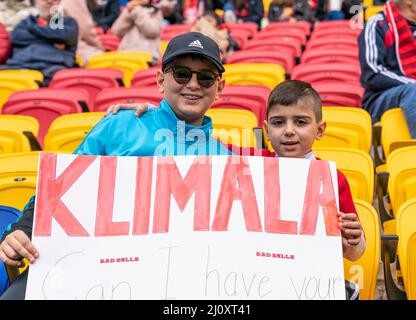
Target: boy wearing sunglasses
{"type": "Point", "coordinates": [190, 80]}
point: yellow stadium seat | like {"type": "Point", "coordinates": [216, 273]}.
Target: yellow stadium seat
{"type": "Point", "coordinates": [356, 165]}
{"type": "Point", "coordinates": [364, 271]}
{"type": "Point", "coordinates": [266, 5]}
{"type": "Point", "coordinates": [368, 3]}
{"type": "Point", "coordinates": [266, 74]}
{"type": "Point", "coordinates": [128, 62]}
{"type": "Point", "coordinates": [79, 60]}
{"type": "Point", "coordinates": [18, 176]}
{"type": "Point", "coordinates": [17, 80]}
{"type": "Point", "coordinates": [347, 127]}
{"type": "Point", "coordinates": [163, 46]}
{"type": "Point", "coordinates": [406, 248]}
{"type": "Point", "coordinates": [16, 132]}
{"type": "Point", "coordinates": [233, 126]}
{"type": "Point", "coordinates": [394, 131]}
{"type": "Point", "coordinates": [401, 166]}
{"type": "Point", "coordinates": [67, 132]}
{"type": "Point", "coordinates": [371, 11]}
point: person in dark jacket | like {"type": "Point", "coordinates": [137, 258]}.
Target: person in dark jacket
{"type": "Point", "coordinates": [104, 12]}
{"type": "Point", "coordinates": [387, 47]}
{"type": "Point", "coordinates": [46, 42]}
{"type": "Point", "coordinates": [244, 11]}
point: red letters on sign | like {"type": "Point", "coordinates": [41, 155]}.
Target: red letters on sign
{"type": "Point", "coordinates": [319, 174]}
{"type": "Point", "coordinates": [51, 189]}
{"type": "Point", "coordinates": [169, 181]}
{"type": "Point", "coordinates": [237, 170]}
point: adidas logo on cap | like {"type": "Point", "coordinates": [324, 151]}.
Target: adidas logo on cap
{"type": "Point", "coordinates": [196, 43]}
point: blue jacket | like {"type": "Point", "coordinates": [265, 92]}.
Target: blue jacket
{"type": "Point", "coordinates": [33, 44]}
{"type": "Point", "coordinates": [158, 132]}
{"type": "Point", "coordinates": [379, 62]}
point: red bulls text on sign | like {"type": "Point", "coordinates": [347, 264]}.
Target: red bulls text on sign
{"type": "Point", "coordinates": [236, 185]}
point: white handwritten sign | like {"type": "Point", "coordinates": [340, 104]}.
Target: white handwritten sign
{"type": "Point", "coordinates": [209, 227]}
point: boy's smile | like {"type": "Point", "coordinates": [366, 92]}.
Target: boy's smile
{"type": "Point", "coordinates": [293, 129]}
{"type": "Point", "coordinates": [190, 101]}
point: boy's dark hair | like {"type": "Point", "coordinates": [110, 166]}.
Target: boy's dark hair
{"type": "Point", "coordinates": [290, 92]}
{"type": "Point", "coordinates": [213, 15]}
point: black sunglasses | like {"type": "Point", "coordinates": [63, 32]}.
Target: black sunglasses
{"type": "Point", "coordinates": [182, 75]}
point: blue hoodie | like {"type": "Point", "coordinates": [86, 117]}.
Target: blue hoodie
{"type": "Point", "coordinates": [158, 132]}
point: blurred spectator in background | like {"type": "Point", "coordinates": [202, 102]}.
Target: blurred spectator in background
{"type": "Point", "coordinates": [46, 42]}
{"type": "Point", "coordinates": [104, 12]}
{"type": "Point", "coordinates": [210, 25]}
{"type": "Point", "coordinates": [289, 10]}
{"type": "Point", "coordinates": [243, 11]}
{"type": "Point", "coordinates": [139, 26]}
{"type": "Point", "coordinates": [5, 45]}
{"type": "Point", "coordinates": [329, 10]}
{"type": "Point", "coordinates": [88, 44]}
{"type": "Point", "coordinates": [12, 12]}
{"type": "Point", "coordinates": [189, 11]}
{"type": "Point", "coordinates": [388, 66]}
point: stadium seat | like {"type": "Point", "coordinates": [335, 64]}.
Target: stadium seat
{"type": "Point", "coordinates": [173, 30]}
{"type": "Point", "coordinates": [327, 73]}
{"type": "Point", "coordinates": [241, 37]}
{"type": "Point", "coordinates": [364, 271]}
{"type": "Point", "coordinates": [336, 94]}
{"type": "Point", "coordinates": [92, 80]}
{"type": "Point", "coordinates": [18, 176]}
{"type": "Point", "coordinates": [46, 105]}
{"type": "Point", "coordinates": [107, 97]}
{"type": "Point", "coordinates": [394, 131]}
{"type": "Point", "coordinates": [333, 43]}
{"type": "Point", "coordinates": [7, 215]}
{"type": "Point", "coordinates": [356, 165]}
{"type": "Point", "coordinates": [371, 11]}
{"type": "Point", "coordinates": [286, 60]}
{"type": "Point", "coordinates": [282, 33]}
{"type": "Point", "coordinates": [109, 41]}
{"type": "Point", "coordinates": [252, 27]}
{"type": "Point", "coordinates": [332, 24]}
{"type": "Point", "coordinates": [18, 134]}
{"type": "Point", "coordinates": [329, 56]}
{"type": "Point", "coordinates": [242, 103]}
{"type": "Point", "coordinates": [406, 248]}
{"type": "Point", "coordinates": [301, 26]}
{"type": "Point", "coordinates": [258, 95]}
{"type": "Point", "coordinates": [163, 46]}
{"type": "Point", "coordinates": [128, 62]}
{"type": "Point", "coordinates": [145, 78]}
{"type": "Point", "coordinates": [5, 45]}
{"type": "Point", "coordinates": [401, 166]}
{"type": "Point", "coordinates": [17, 80]}
{"type": "Point", "coordinates": [347, 127]}
{"type": "Point", "coordinates": [266, 74]}
{"type": "Point", "coordinates": [275, 45]}
{"type": "Point", "coordinates": [335, 33]}
{"type": "Point", "coordinates": [67, 132]}
{"type": "Point", "coordinates": [232, 126]}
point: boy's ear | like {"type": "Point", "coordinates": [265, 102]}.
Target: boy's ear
{"type": "Point", "coordinates": [160, 80]}
{"type": "Point", "coordinates": [321, 130]}
{"type": "Point", "coordinates": [221, 85]}
{"type": "Point", "coordinates": [266, 128]}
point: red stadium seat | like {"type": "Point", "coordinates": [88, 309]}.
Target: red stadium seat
{"type": "Point", "coordinates": [110, 96]}
{"type": "Point", "coordinates": [92, 80]}
{"type": "Point", "coordinates": [335, 94]}
{"type": "Point", "coordinates": [329, 56]}
{"type": "Point", "coordinates": [145, 78]}
{"type": "Point", "coordinates": [283, 44]}
{"type": "Point", "coordinates": [252, 27]}
{"type": "Point", "coordinates": [174, 30]}
{"type": "Point", "coordinates": [5, 46]}
{"type": "Point", "coordinates": [258, 94]}
{"type": "Point", "coordinates": [279, 33]}
{"type": "Point", "coordinates": [331, 24]}
{"type": "Point", "coordinates": [285, 59]}
{"type": "Point", "coordinates": [241, 36]}
{"type": "Point", "coordinates": [335, 33]}
{"type": "Point", "coordinates": [109, 41]}
{"type": "Point", "coordinates": [333, 43]}
{"type": "Point", "coordinates": [301, 26]}
{"type": "Point", "coordinates": [327, 73]}
{"type": "Point", "coordinates": [46, 105]}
